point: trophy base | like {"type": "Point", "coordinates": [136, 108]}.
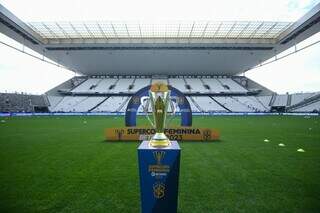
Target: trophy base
{"type": "Point", "coordinates": [159, 140]}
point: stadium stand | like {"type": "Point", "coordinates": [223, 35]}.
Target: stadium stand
{"type": "Point", "coordinates": [13, 102]}
{"type": "Point", "coordinates": [204, 93]}
{"type": "Point", "coordinates": [139, 83]}
{"type": "Point", "coordinates": [232, 104]}
{"type": "Point", "coordinates": [252, 103]}
{"type": "Point", "coordinates": [299, 97]}
{"type": "Point", "coordinates": [178, 83]}
{"type": "Point", "coordinates": [113, 104]}
{"type": "Point", "coordinates": [104, 85]}
{"type": "Point", "coordinates": [214, 85]}
{"type": "Point", "coordinates": [123, 85]}
{"type": "Point", "coordinates": [312, 107]}
{"type": "Point", "coordinates": [86, 86]}
{"type": "Point", "coordinates": [68, 104]}
{"type": "Point", "coordinates": [265, 101]}
{"type": "Point", "coordinates": [280, 100]}
{"type": "Point", "coordinates": [196, 85]}
{"type": "Point", "coordinates": [88, 103]}
{"type": "Point", "coordinates": [207, 104]}
{"type": "Point", "coordinates": [231, 85]}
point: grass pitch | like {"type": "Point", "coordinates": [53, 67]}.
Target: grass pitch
{"type": "Point", "coordinates": [63, 164]}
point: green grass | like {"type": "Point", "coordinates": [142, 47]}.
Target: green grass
{"type": "Point", "coordinates": [60, 164]}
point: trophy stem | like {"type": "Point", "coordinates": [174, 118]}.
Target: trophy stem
{"type": "Point", "coordinates": [160, 140]}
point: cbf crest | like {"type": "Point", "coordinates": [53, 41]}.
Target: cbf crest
{"type": "Point", "coordinates": [159, 190]}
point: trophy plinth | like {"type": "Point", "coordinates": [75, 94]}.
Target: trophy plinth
{"type": "Point", "coordinates": [159, 177]}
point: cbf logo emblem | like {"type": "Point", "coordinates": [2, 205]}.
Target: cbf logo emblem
{"type": "Point", "coordinates": [158, 156]}
{"type": "Point", "coordinates": [207, 134]}
{"type": "Point", "coordinates": [159, 190]}
{"type": "Point", "coordinates": [135, 100]}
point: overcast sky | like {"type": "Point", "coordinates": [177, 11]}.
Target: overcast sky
{"type": "Point", "coordinates": [296, 73]}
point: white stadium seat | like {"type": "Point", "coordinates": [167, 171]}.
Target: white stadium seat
{"type": "Point", "coordinates": [112, 104]}
{"type": "Point", "coordinates": [98, 88]}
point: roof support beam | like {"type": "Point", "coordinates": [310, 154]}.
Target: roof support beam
{"type": "Point", "coordinates": [76, 30]}
{"type": "Point", "coordinates": [227, 36]}
{"type": "Point", "coordinates": [114, 30]}
{"type": "Point", "coordinates": [50, 31]}
{"type": "Point", "coordinates": [190, 34]}
{"type": "Point", "coordinates": [140, 31]}
{"type": "Point", "coordinates": [216, 32]}
{"type": "Point", "coordinates": [243, 30]}
{"type": "Point", "coordinates": [204, 30]}
{"type": "Point", "coordinates": [269, 30]}
{"type": "Point", "coordinates": [256, 30]}
{"type": "Point", "coordinates": [101, 31]}
{"type": "Point", "coordinates": [127, 30]}
{"type": "Point", "coordinates": [64, 33]}
{"type": "Point", "coordinates": [87, 28]}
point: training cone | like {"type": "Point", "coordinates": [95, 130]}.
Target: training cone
{"type": "Point", "coordinates": [300, 150]}
{"type": "Point", "coordinates": [266, 140]}
{"type": "Point", "coordinates": [281, 144]}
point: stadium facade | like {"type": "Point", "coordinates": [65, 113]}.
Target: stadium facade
{"type": "Point", "coordinates": [202, 59]}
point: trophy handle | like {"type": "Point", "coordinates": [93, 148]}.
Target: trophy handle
{"type": "Point", "coordinates": [173, 108]}
{"type": "Point", "coordinates": [145, 108]}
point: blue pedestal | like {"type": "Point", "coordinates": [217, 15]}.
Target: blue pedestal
{"type": "Point", "coordinates": [159, 176]}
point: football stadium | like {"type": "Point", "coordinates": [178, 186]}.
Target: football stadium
{"type": "Point", "coordinates": [244, 147]}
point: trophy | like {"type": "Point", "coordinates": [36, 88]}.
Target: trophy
{"type": "Point", "coordinates": [159, 96]}
{"type": "Point", "coordinates": [159, 175]}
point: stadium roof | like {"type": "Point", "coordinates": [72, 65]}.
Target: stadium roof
{"type": "Point", "coordinates": [140, 48]}
{"type": "Point", "coordinates": [196, 29]}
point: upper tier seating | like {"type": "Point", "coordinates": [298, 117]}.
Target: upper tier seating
{"type": "Point", "coordinates": [196, 85]}
{"type": "Point", "coordinates": [123, 85]}
{"type": "Point", "coordinates": [86, 85]}
{"type": "Point", "coordinates": [215, 85]}
{"type": "Point", "coordinates": [104, 85]}
{"type": "Point", "coordinates": [139, 83]}
{"type": "Point", "coordinates": [178, 83]}
{"type": "Point", "coordinates": [184, 84]}
{"type": "Point", "coordinates": [232, 85]}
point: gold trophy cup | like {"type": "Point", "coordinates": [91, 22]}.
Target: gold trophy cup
{"type": "Point", "coordinates": [159, 96]}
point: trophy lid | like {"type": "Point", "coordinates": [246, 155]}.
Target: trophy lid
{"type": "Point", "coordinates": [159, 87]}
